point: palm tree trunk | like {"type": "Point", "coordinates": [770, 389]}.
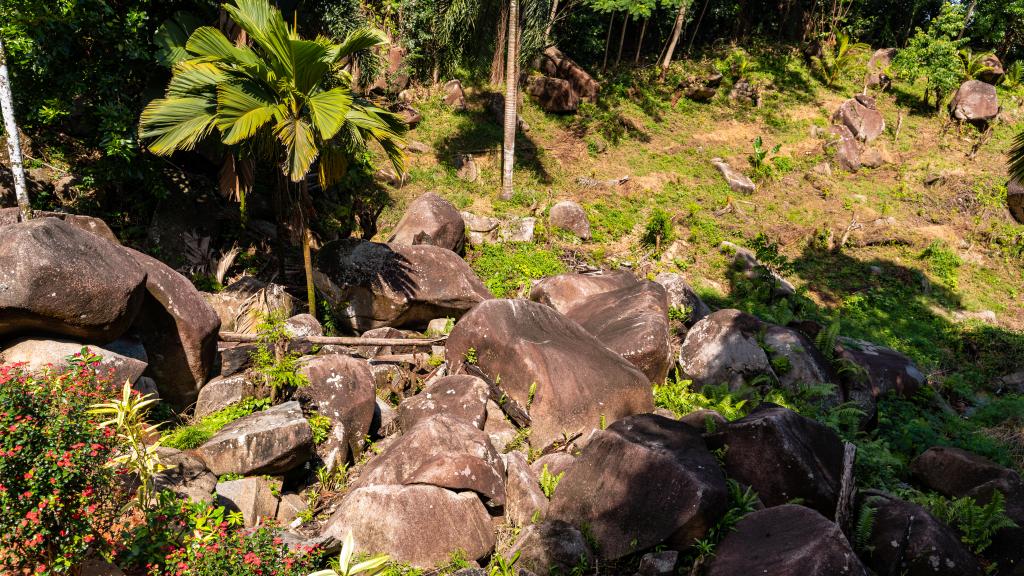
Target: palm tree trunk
{"type": "Point", "coordinates": [511, 98]}
{"type": "Point", "coordinates": [622, 39]}
{"type": "Point", "coordinates": [13, 138]}
{"type": "Point", "coordinates": [307, 238]}
{"type": "Point", "coordinates": [676, 31]}
{"type": "Point", "coordinates": [498, 62]}
{"type": "Point", "coordinates": [696, 28]}
{"type": "Point", "coordinates": [640, 43]}
{"type": "Point", "coordinates": [551, 23]}
{"type": "Point", "coordinates": [607, 43]}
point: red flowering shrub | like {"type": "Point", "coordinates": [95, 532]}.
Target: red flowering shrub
{"type": "Point", "coordinates": [58, 501]}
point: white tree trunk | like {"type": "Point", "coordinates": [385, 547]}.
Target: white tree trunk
{"type": "Point", "coordinates": [511, 98]}
{"type": "Point", "coordinates": [551, 23]}
{"type": "Point", "coordinates": [622, 39]}
{"type": "Point", "coordinates": [13, 140]}
{"type": "Point", "coordinates": [676, 30]}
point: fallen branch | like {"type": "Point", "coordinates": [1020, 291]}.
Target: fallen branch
{"type": "Point", "coordinates": [844, 504]}
{"type": "Point", "coordinates": [510, 407]}
{"type": "Point", "coordinates": [339, 340]}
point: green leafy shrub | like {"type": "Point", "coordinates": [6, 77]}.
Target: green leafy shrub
{"type": "Point", "coordinates": [508, 268]}
{"type": "Point", "coordinates": [658, 232]}
{"type": "Point", "coordinates": [58, 499]}
{"type": "Point", "coordinates": [943, 262]}
{"type": "Point", "coordinates": [321, 427]}
{"type": "Point", "coordinates": [610, 222]}
{"type": "Point", "coordinates": [759, 160]}
{"type": "Point", "coordinates": [193, 435]}
{"type": "Point", "coordinates": [976, 523]}
{"type": "Point", "coordinates": [127, 417]}
{"type": "Point", "coordinates": [549, 481]}
{"type": "Point", "coordinates": [272, 360]}
{"type": "Point", "coordinates": [676, 394]}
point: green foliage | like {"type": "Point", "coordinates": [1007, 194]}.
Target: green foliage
{"type": "Point", "coordinates": [935, 54]}
{"type": "Point", "coordinates": [549, 481]}
{"type": "Point", "coordinates": [837, 64]}
{"type": "Point", "coordinates": [193, 435]}
{"type": "Point", "coordinates": [500, 566]}
{"type": "Point", "coordinates": [976, 523]}
{"type": "Point", "coordinates": [658, 231]}
{"type": "Point", "coordinates": [973, 64]}
{"type": "Point", "coordinates": [507, 269]}
{"type": "Point", "coordinates": [865, 527]}
{"type": "Point", "coordinates": [470, 356]}
{"type": "Point", "coordinates": [127, 417]}
{"type": "Point", "coordinates": [676, 395]}
{"type": "Point", "coordinates": [59, 501]}
{"type": "Point", "coordinates": [742, 501]}
{"type": "Point", "coordinates": [347, 566]}
{"type": "Point", "coordinates": [943, 262]}
{"type": "Point", "coordinates": [1013, 78]}
{"type": "Point", "coordinates": [271, 360]}
{"type": "Point", "coordinates": [680, 313]}
{"type": "Point", "coordinates": [609, 222]}
{"type": "Point", "coordinates": [332, 479]}
{"type": "Point", "coordinates": [321, 426]}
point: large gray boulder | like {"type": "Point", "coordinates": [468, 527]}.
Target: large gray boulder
{"type": "Point", "coordinates": [844, 144]}
{"type": "Point", "coordinates": [553, 95]}
{"type": "Point", "coordinates": [723, 348]}
{"type": "Point", "coordinates": [570, 216]}
{"type": "Point", "coordinates": [787, 540]}
{"type": "Point", "coordinates": [974, 101]}
{"type": "Point", "coordinates": [784, 456]}
{"type": "Point", "coordinates": [255, 498]}
{"type": "Point", "coordinates": [430, 219]}
{"type": "Point", "coordinates": [442, 452]}
{"type": "Point", "coordinates": [633, 322]}
{"type": "Point", "coordinates": [56, 278]}
{"type": "Point", "coordinates": [245, 303]}
{"type": "Point", "coordinates": [524, 500]}
{"type": "Point", "coordinates": [862, 117]}
{"type": "Point", "coordinates": [907, 540]}
{"type": "Point", "coordinates": [274, 441]}
{"type": "Point", "coordinates": [419, 525]}
{"type": "Point", "coordinates": [564, 376]}
{"type": "Point", "coordinates": [37, 354]}
{"type": "Point", "coordinates": [86, 223]}
{"type": "Point", "coordinates": [341, 388]}
{"type": "Point", "coordinates": [460, 397]}
{"type": "Point", "coordinates": [681, 295]}
{"type": "Point", "coordinates": [370, 285]}
{"type": "Point", "coordinates": [184, 475]}
{"type": "Point", "coordinates": [738, 181]}
{"type": "Point", "coordinates": [179, 330]}
{"type": "Point", "coordinates": [223, 391]}
{"type": "Point", "coordinates": [564, 291]}
{"type": "Point", "coordinates": [551, 547]}
{"type": "Point", "coordinates": [645, 480]}
{"type": "Point", "coordinates": [875, 371]}
{"type": "Point", "coordinates": [554, 63]}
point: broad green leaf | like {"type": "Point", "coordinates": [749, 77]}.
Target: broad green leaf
{"type": "Point", "coordinates": [300, 146]}
{"type": "Point", "coordinates": [177, 123]}
{"type": "Point", "coordinates": [329, 109]}
{"type": "Point", "coordinates": [242, 109]}
{"type": "Point", "coordinates": [172, 36]}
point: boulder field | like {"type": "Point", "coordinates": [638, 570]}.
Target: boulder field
{"type": "Point", "coordinates": [532, 430]}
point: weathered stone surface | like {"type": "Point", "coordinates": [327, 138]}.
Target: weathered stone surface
{"type": "Point", "coordinates": [787, 540]}
{"type": "Point", "coordinates": [570, 216]}
{"type": "Point", "coordinates": [879, 64]}
{"type": "Point", "coordinates": [784, 456]}
{"type": "Point", "coordinates": [466, 168]}
{"type": "Point", "coordinates": [223, 391]}
{"type": "Point", "coordinates": [645, 480]}
{"type": "Point", "coordinates": [270, 442]}
{"type": "Point", "coordinates": [253, 497]}
{"type": "Point", "coordinates": [658, 563]}
{"type": "Point", "coordinates": [37, 354]}
{"type": "Point", "coordinates": [442, 452]}
{"type": "Point", "coordinates": [289, 508]}
{"type": "Point", "coordinates": [993, 71]}
{"type": "Point", "coordinates": [795, 361]}
{"type": "Point", "coordinates": [385, 420]}
{"type": "Point", "coordinates": [974, 101]}
{"type": "Point", "coordinates": [86, 223]}
{"type": "Point", "coordinates": [460, 397]}
{"type": "Point", "coordinates": [179, 330]}
{"type": "Point", "coordinates": [955, 472]}
{"type": "Point", "coordinates": [681, 295]}
{"type": "Point", "coordinates": [342, 389]}
{"type": "Point", "coordinates": [907, 540]}
{"type": "Point", "coordinates": [1015, 200]}
{"type": "Point", "coordinates": [557, 462]}
{"type": "Point", "coordinates": [737, 181]}
{"type": "Point", "coordinates": [524, 500]}
{"type": "Point", "coordinates": [481, 229]}
{"type": "Point", "coordinates": [564, 291]}
{"type": "Point", "coordinates": [430, 219]}
{"type": "Point", "coordinates": [498, 428]}
{"type": "Point", "coordinates": [699, 419]}
{"type": "Point", "coordinates": [552, 94]}
{"type": "Point", "coordinates": [551, 548]}
{"type": "Point", "coordinates": [56, 278]}
{"type": "Point", "coordinates": [246, 302]}
{"type": "Point", "coordinates": [184, 475]}
{"type": "Point", "coordinates": [554, 63]}
{"type": "Point", "coordinates": [862, 117]}
{"type": "Point", "coordinates": [632, 322]}
{"type": "Point", "coordinates": [517, 230]}
{"type": "Point", "coordinates": [454, 95]}
{"type": "Point", "coordinates": [577, 381]}
{"type": "Point", "coordinates": [847, 153]}
{"type": "Point", "coordinates": [419, 525]}
{"type": "Point", "coordinates": [370, 285]}
{"type": "Point", "coordinates": [881, 371]}
{"type": "Point", "coordinates": [723, 349]}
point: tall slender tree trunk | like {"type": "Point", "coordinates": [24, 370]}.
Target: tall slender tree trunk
{"type": "Point", "coordinates": [13, 138]}
{"type": "Point", "coordinates": [622, 39]}
{"type": "Point", "coordinates": [551, 23]}
{"type": "Point", "coordinates": [511, 98]}
{"type": "Point", "coordinates": [305, 208]}
{"type": "Point", "coordinates": [677, 29]}
{"type": "Point", "coordinates": [498, 62]}
{"type": "Point", "coordinates": [640, 42]}
{"type": "Point", "coordinates": [696, 27]}
{"type": "Point", "coordinates": [967, 18]}
{"type": "Point", "coordinates": [607, 42]}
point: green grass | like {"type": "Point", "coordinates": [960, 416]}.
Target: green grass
{"type": "Point", "coordinates": [194, 435]}
{"type": "Point", "coordinates": [507, 269]}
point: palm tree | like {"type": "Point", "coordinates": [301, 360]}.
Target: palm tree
{"type": "Point", "coordinates": [13, 139]}
{"type": "Point", "coordinates": [288, 99]}
{"type": "Point", "coordinates": [1017, 158]}
{"type": "Point", "coordinates": [511, 98]}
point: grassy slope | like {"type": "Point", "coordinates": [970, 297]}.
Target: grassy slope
{"type": "Point", "coordinates": [667, 156]}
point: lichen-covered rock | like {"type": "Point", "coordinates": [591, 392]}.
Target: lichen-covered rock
{"type": "Point", "coordinates": [430, 219]}
{"type": "Point", "coordinates": [255, 498]}
{"type": "Point", "coordinates": [862, 117]}
{"type": "Point", "coordinates": [340, 388]}
{"type": "Point", "coordinates": [570, 216]}
{"type": "Point", "coordinates": [460, 397]}
{"type": "Point", "coordinates": [566, 290]}
{"type": "Point", "coordinates": [551, 547]}
{"type": "Point", "coordinates": [274, 441]}
{"type": "Point", "coordinates": [524, 500]}
{"type": "Point", "coordinates": [682, 296]}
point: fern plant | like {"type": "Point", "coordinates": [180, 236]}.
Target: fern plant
{"type": "Point", "coordinates": [1013, 77]}
{"type": "Point", "coordinates": [973, 64]}
{"type": "Point", "coordinates": [500, 566]}
{"type": "Point", "coordinates": [549, 481]}
{"type": "Point", "coordinates": [271, 358]}
{"type": "Point", "coordinates": [837, 64]}
{"type": "Point", "coordinates": [976, 523]}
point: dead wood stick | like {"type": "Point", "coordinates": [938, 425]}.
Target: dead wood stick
{"type": "Point", "coordinates": [510, 407]}
{"type": "Point", "coordinates": [844, 505]}
{"type": "Point", "coordinates": [339, 340]}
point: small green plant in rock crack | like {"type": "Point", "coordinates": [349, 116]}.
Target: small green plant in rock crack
{"type": "Point", "coordinates": [333, 479]}
{"type": "Point", "coordinates": [976, 523]}
{"type": "Point", "coordinates": [742, 501]}
{"type": "Point", "coordinates": [549, 481]}
{"type": "Point", "coordinates": [500, 566]}
{"type": "Point", "coordinates": [680, 313]}
{"type": "Point", "coordinates": [531, 395]}
{"type": "Point", "coordinates": [470, 356]}
{"type": "Point", "coordinates": [865, 528]}
{"type": "Point", "coordinates": [321, 427]}
{"type": "Point", "coordinates": [272, 360]}
{"type": "Point", "coordinates": [347, 566]}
